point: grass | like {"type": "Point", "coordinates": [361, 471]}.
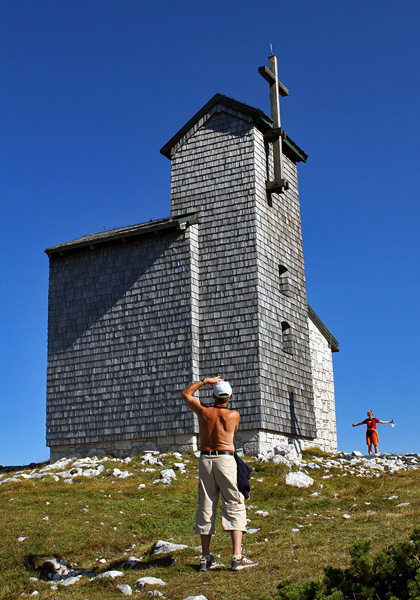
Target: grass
{"type": "Point", "coordinates": [105, 518]}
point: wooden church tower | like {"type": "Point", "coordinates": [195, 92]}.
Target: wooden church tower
{"type": "Point", "coordinates": [136, 314]}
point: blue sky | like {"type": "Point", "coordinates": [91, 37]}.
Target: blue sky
{"type": "Point", "coordinates": [92, 89]}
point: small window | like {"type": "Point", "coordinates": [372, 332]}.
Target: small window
{"type": "Point", "coordinates": [286, 331]}
{"type": "Point", "coordinates": [284, 280]}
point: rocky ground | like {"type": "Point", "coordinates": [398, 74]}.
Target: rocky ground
{"type": "Point", "coordinates": [58, 573]}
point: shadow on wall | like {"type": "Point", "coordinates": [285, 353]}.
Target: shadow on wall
{"type": "Point", "coordinates": [103, 284]}
{"type": "Point", "coordinates": [294, 425]}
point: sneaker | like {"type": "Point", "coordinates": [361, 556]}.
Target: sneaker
{"type": "Point", "coordinates": [242, 562]}
{"type": "Point", "coordinates": [207, 563]}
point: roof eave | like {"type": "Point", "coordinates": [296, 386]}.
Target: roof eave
{"type": "Point", "coordinates": [333, 343]}
{"type": "Point", "coordinates": [122, 234]}
{"type": "Point", "coordinates": [261, 120]}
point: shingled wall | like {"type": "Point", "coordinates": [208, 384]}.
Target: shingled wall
{"type": "Point", "coordinates": [285, 364]}
{"type": "Point", "coordinates": [133, 320]}
{"type": "Point", "coordinates": [212, 174]}
{"type": "Point", "coordinates": [219, 169]}
{"type": "Point", "coordinates": [119, 348]}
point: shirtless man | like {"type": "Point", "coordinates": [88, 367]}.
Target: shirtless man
{"type": "Point", "coordinates": [218, 472]}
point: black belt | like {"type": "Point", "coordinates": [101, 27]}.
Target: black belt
{"type": "Point", "coordinates": [216, 452]}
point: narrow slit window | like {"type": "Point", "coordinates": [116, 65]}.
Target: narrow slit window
{"type": "Point", "coordinates": [284, 280]}
{"type": "Point", "coordinates": [287, 337]}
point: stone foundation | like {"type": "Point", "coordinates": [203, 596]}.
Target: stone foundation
{"type": "Point", "coordinates": [251, 442]}
{"type": "Point", "coordinates": [124, 448]}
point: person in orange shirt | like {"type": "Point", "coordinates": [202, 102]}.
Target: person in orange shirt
{"type": "Point", "coordinates": [371, 432]}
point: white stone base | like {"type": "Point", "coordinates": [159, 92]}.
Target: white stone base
{"type": "Point", "coordinates": [124, 448]}
{"type": "Point", "coordinates": [250, 441]}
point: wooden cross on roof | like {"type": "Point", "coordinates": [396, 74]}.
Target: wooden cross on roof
{"type": "Point", "coordinates": [276, 87]}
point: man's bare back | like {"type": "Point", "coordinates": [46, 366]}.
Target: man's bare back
{"type": "Point", "coordinates": [218, 425]}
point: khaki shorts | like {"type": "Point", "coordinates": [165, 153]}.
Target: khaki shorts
{"type": "Point", "coordinates": [218, 476]}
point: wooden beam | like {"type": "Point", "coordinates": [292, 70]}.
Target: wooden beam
{"type": "Point", "coordinates": [274, 134]}
{"type": "Point", "coordinates": [277, 186]}
{"type": "Point", "coordinates": [271, 78]}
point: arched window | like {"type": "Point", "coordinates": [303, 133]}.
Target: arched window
{"type": "Point", "coordinates": [287, 337]}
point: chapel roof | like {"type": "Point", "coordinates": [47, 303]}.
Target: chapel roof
{"type": "Point", "coordinates": [264, 123]}
{"type": "Point", "coordinates": [121, 234]}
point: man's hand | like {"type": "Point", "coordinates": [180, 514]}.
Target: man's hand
{"type": "Point", "coordinates": [193, 402]}
{"type": "Point", "coordinates": [213, 380]}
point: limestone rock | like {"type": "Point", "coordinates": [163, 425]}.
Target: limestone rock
{"type": "Point", "coordinates": [125, 589]}
{"type": "Point", "coordinates": [145, 581]}
{"type": "Point", "coordinates": [131, 563]}
{"type": "Point", "coordinates": [299, 480]}
{"type": "Point", "coordinates": [162, 547]}
{"type": "Point", "coordinates": [279, 459]}
{"type": "Point", "coordinates": [168, 474]}
{"type": "Point", "coordinates": [70, 580]}
{"type": "Point", "coordinates": [111, 574]}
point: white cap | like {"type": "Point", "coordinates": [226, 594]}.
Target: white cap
{"type": "Point", "coordinates": [222, 390]}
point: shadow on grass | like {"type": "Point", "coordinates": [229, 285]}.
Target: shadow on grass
{"type": "Point", "coordinates": [166, 561]}
{"type": "Point", "coordinates": [39, 563]}
{"type": "Point", "coordinates": [196, 567]}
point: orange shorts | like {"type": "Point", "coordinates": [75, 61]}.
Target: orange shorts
{"type": "Point", "coordinates": [373, 439]}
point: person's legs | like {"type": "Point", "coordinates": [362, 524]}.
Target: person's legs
{"type": "Point", "coordinates": [208, 496]}
{"type": "Point", "coordinates": [370, 448]}
{"type": "Point", "coordinates": [207, 561]}
{"type": "Point", "coordinates": [236, 542]}
{"type": "Point", "coordinates": [375, 441]}
{"type": "Point", "coordinates": [233, 502]}
{"type": "Point", "coordinates": [233, 510]}
{"type": "Point", "coordinates": [205, 544]}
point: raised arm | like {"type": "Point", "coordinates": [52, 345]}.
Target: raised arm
{"type": "Point", "coordinates": [190, 400]}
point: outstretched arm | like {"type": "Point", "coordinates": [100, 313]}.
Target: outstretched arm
{"type": "Point", "coordinates": [391, 421]}
{"type": "Point", "coordinates": [357, 424]}
{"type": "Point", "coordinates": [190, 400]}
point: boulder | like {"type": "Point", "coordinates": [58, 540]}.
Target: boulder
{"type": "Point", "coordinates": [299, 480]}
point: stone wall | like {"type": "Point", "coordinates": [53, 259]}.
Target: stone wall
{"type": "Point", "coordinates": [324, 396]}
